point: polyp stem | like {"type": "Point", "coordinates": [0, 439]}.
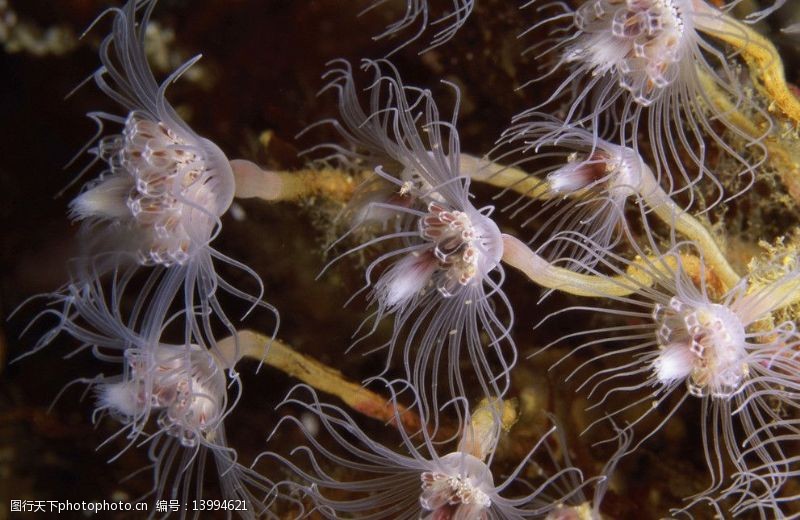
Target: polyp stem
{"type": "Point", "coordinates": [518, 255]}
{"type": "Point", "coordinates": [640, 273]}
{"type": "Point", "coordinates": [281, 186]}
{"type": "Point", "coordinates": [252, 181]}
{"type": "Point", "coordinates": [670, 213]}
{"type": "Point", "coordinates": [279, 355]}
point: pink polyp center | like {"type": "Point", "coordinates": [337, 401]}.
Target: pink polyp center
{"type": "Point", "coordinates": [617, 173]}
{"type": "Point", "coordinates": [581, 173]}
{"type": "Point", "coordinates": [642, 40]}
{"type": "Point", "coordinates": [171, 199]}
{"type": "Point", "coordinates": [455, 490]}
{"type": "Point", "coordinates": [188, 392]}
{"type": "Point", "coordinates": [454, 238]}
{"type": "Point", "coordinates": [704, 343]}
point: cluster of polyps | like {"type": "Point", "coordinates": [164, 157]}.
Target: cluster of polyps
{"type": "Point", "coordinates": [643, 64]}
{"type": "Point", "coordinates": [168, 187]}
{"type": "Point", "coordinates": [155, 209]}
{"type": "Point", "coordinates": [642, 41]}
{"type": "Point", "coordinates": [630, 60]}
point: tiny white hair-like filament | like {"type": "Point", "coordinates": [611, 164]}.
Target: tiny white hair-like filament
{"type": "Point", "coordinates": [416, 20]}
{"type": "Point", "coordinates": [442, 281]}
{"type": "Point", "coordinates": [370, 480]}
{"type": "Point", "coordinates": [683, 341]}
{"type": "Point", "coordinates": [576, 505]}
{"type": "Point", "coordinates": [635, 66]}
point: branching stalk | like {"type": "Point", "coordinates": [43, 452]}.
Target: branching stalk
{"type": "Point", "coordinates": [783, 155]}
{"type": "Point", "coordinates": [766, 66]}
{"type": "Point", "coordinates": [252, 181]}
{"type": "Point", "coordinates": [505, 177]}
{"type": "Point", "coordinates": [639, 274]}
{"type": "Point", "coordinates": [517, 254]}
{"type": "Point", "coordinates": [673, 215]}
{"type": "Point", "coordinates": [323, 378]}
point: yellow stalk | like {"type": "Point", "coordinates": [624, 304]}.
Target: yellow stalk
{"type": "Point", "coordinates": [766, 67]}
{"type": "Point", "coordinates": [275, 353]}
{"type": "Point", "coordinates": [782, 154]}
{"type": "Point", "coordinates": [638, 275]}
